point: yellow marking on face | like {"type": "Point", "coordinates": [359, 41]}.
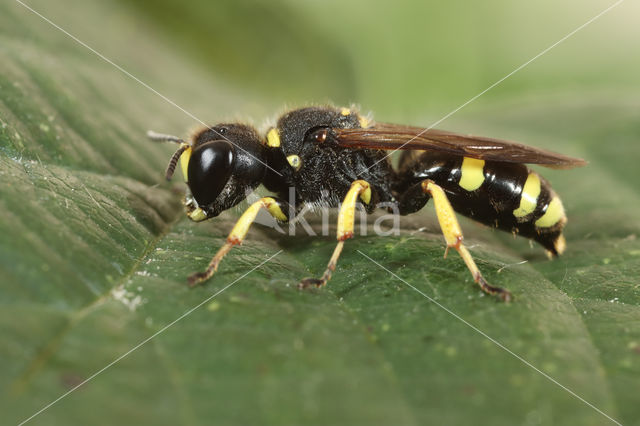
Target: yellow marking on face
{"type": "Point", "coordinates": [553, 214]}
{"type": "Point", "coordinates": [184, 163]}
{"type": "Point", "coordinates": [273, 138]}
{"type": "Point", "coordinates": [345, 111]}
{"type": "Point", "coordinates": [529, 196]}
{"type": "Point", "coordinates": [295, 162]}
{"type": "Point", "coordinates": [346, 216]}
{"type": "Point", "coordinates": [364, 121]}
{"type": "Point", "coordinates": [472, 171]}
{"type": "Point", "coordinates": [198, 215]}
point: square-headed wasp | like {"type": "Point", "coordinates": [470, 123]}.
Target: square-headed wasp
{"type": "Point", "coordinates": [334, 154]}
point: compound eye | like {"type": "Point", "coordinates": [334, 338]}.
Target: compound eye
{"type": "Point", "coordinates": [210, 167]}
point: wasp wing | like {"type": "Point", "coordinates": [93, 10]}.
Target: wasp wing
{"type": "Point", "coordinates": [394, 137]}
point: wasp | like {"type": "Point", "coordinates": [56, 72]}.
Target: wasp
{"type": "Point", "coordinates": [336, 157]}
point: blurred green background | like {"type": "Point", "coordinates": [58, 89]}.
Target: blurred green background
{"type": "Point", "coordinates": [95, 247]}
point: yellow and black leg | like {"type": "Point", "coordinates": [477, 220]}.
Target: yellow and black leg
{"type": "Point", "coordinates": [279, 209]}
{"type": "Point", "coordinates": [346, 217]}
{"type": "Point", "coordinates": [453, 236]}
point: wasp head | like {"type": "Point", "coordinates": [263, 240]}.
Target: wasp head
{"type": "Point", "coordinates": [221, 166]}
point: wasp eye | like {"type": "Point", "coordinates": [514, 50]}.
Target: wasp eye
{"type": "Point", "coordinates": [210, 167]}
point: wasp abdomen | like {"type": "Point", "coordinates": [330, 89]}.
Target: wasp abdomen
{"type": "Point", "coordinates": [507, 196]}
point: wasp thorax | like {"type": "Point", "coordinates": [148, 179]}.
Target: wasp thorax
{"type": "Point", "coordinates": [210, 168]}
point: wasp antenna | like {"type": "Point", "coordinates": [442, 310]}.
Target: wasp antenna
{"type": "Point", "coordinates": [161, 137]}
{"type": "Point", "coordinates": [174, 160]}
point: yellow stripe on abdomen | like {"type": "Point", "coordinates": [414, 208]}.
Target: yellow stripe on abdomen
{"type": "Point", "coordinates": [472, 174]}
{"type": "Point", "coordinates": [529, 196]}
{"type": "Point", "coordinates": [553, 214]}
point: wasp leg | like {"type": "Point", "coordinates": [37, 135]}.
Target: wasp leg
{"type": "Point", "coordinates": [346, 216]}
{"type": "Point", "coordinates": [453, 236]}
{"type": "Point", "coordinates": [277, 208]}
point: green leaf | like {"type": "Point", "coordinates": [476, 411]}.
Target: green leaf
{"type": "Point", "coordinates": [95, 248]}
